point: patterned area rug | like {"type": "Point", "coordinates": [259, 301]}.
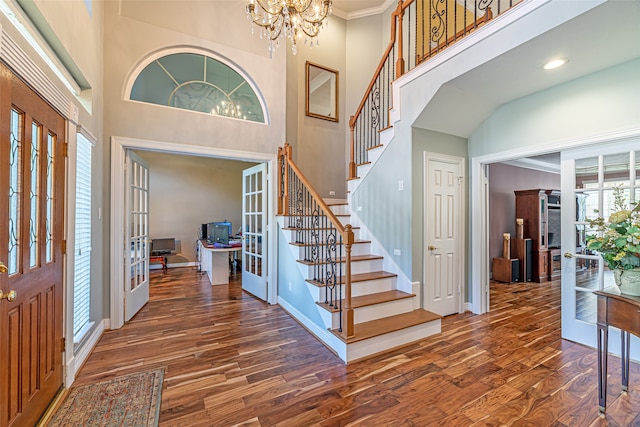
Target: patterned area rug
{"type": "Point", "coordinates": [130, 400]}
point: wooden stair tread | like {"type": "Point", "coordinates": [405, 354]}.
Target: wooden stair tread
{"type": "Point", "coordinates": [389, 324]}
{"type": "Point", "coordinates": [356, 242]}
{"type": "Point", "coordinates": [363, 164]}
{"type": "Point", "coordinates": [375, 146]}
{"type": "Point", "coordinates": [370, 299]}
{"type": "Point", "coordinates": [362, 277]}
{"type": "Point", "coordinates": [345, 203]}
{"type": "Point", "coordinates": [354, 258]}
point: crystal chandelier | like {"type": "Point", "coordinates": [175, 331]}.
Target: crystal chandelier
{"type": "Point", "coordinates": [291, 18]}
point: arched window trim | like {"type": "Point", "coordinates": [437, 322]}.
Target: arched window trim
{"type": "Point", "coordinates": [143, 63]}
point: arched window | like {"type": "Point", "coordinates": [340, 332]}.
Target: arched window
{"type": "Point", "coordinates": [196, 82]}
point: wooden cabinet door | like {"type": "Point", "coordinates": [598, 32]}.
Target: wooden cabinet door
{"type": "Point", "coordinates": [32, 136]}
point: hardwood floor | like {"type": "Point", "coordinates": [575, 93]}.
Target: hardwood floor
{"type": "Point", "coordinates": [233, 360]}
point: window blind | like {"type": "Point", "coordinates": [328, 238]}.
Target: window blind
{"type": "Point", "coordinates": [82, 267]}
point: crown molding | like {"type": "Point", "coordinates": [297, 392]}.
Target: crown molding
{"type": "Point", "coordinates": [362, 13]}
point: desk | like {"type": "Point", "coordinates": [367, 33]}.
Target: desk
{"type": "Point", "coordinates": [215, 261]}
{"type": "Point", "coordinates": [161, 259]}
{"type": "Point", "coordinates": [622, 312]}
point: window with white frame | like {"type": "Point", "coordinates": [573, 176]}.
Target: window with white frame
{"type": "Point", "coordinates": [82, 265]}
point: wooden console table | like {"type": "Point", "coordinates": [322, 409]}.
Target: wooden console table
{"type": "Point", "coordinates": [622, 312]}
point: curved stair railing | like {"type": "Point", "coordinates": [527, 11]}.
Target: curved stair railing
{"type": "Point", "coordinates": [325, 242]}
{"type": "Point", "coordinates": [419, 30]}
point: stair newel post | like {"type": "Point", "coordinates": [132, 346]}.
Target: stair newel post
{"type": "Point", "coordinates": [348, 329]}
{"type": "Point", "coordinates": [284, 154]}
{"type": "Point", "coordinates": [352, 149]}
{"type": "Point", "coordinates": [399, 15]}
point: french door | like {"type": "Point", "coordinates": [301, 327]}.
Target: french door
{"type": "Point", "coordinates": [254, 227]}
{"type": "Point", "coordinates": [589, 177]}
{"type": "Point", "coordinates": [137, 232]}
{"type": "Point", "coordinates": [32, 164]}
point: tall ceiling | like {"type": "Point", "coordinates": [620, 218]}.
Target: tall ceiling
{"type": "Point", "coordinates": [606, 35]}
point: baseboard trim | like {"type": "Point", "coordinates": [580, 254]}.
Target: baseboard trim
{"type": "Point", "coordinates": [321, 334]}
{"type": "Point", "coordinates": [83, 352]}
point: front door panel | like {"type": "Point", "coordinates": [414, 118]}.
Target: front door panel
{"type": "Point", "coordinates": [32, 136]}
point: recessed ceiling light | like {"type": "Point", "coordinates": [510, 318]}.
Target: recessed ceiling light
{"type": "Point", "coordinates": [555, 63]}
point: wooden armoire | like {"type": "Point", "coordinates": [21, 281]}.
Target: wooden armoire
{"type": "Point", "coordinates": [532, 207]}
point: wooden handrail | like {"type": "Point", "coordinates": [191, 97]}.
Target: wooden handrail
{"type": "Point", "coordinates": [345, 231]}
{"type": "Point", "coordinates": [396, 23]}
{"type": "Point", "coordinates": [378, 94]}
{"type": "Point", "coordinates": [398, 12]}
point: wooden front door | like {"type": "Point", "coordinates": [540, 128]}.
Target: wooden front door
{"type": "Point", "coordinates": [32, 136]}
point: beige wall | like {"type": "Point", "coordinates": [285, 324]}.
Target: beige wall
{"type": "Point", "coordinates": [319, 145]}
{"type": "Point", "coordinates": [187, 191]}
{"type": "Point", "coordinates": [135, 30]}
{"type": "Point", "coordinates": [67, 30]}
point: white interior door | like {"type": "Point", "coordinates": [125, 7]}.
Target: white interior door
{"type": "Point", "coordinates": [137, 235]}
{"type": "Point", "coordinates": [443, 228]}
{"type": "Point", "coordinates": [254, 227]}
{"type": "Point", "coordinates": [588, 179]}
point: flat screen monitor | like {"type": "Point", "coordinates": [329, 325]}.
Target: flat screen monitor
{"type": "Point", "coordinates": [163, 246]}
{"type": "Point", "coordinates": [225, 224]}
{"type": "Point", "coordinates": [218, 233]}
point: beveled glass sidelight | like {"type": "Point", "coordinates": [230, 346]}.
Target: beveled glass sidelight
{"type": "Point", "coordinates": [15, 150]}
{"type": "Point", "coordinates": [34, 195]}
{"type": "Point", "coordinates": [322, 92]}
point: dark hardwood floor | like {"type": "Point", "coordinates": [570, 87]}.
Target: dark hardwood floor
{"type": "Point", "coordinates": [233, 360]}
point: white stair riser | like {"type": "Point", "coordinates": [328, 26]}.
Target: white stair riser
{"type": "Point", "coordinates": [373, 155]}
{"type": "Point", "coordinates": [356, 249]}
{"type": "Point", "coordinates": [363, 170]}
{"type": "Point", "coordinates": [372, 286]}
{"type": "Point", "coordinates": [310, 221]}
{"type": "Point", "coordinates": [340, 209]}
{"type": "Point", "coordinates": [357, 267]}
{"type": "Point", "coordinates": [293, 235]}
{"type": "Point", "coordinates": [378, 311]}
{"type": "Point", "coordinates": [365, 288]}
{"type": "Point", "coordinates": [364, 348]}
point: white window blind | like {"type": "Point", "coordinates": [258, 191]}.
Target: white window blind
{"type": "Point", "coordinates": [82, 268]}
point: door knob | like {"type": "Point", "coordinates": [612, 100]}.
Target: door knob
{"type": "Point", "coordinates": [9, 296]}
{"type": "Point", "coordinates": [568, 255]}
{"type": "Point", "coordinates": [3, 268]}
{"type": "Point", "coordinates": [432, 248]}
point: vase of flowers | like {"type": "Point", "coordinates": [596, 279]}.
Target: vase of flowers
{"type": "Point", "coordinates": [618, 242]}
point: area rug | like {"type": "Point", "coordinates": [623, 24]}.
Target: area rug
{"type": "Point", "coordinates": [129, 400]}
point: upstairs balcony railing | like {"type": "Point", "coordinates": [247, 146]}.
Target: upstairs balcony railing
{"type": "Point", "coordinates": [419, 30]}
{"type": "Point", "coordinates": [324, 242]}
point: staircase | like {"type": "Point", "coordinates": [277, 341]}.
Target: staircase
{"type": "Point", "coordinates": [360, 308]}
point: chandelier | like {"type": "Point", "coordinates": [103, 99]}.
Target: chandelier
{"type": "Point", "coordinates": [290, 18]}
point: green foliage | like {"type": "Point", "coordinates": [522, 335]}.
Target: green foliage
{"type": "Point", "coordinates": [618, 239]}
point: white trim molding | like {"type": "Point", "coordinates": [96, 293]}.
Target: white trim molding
{"type": "Point", "coordinates": [119, 146]}
{"type": "Point", "coordinates": [479, 193]}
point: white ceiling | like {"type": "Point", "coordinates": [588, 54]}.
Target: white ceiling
{"type": "Point", "coordinates": [603, 37]}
